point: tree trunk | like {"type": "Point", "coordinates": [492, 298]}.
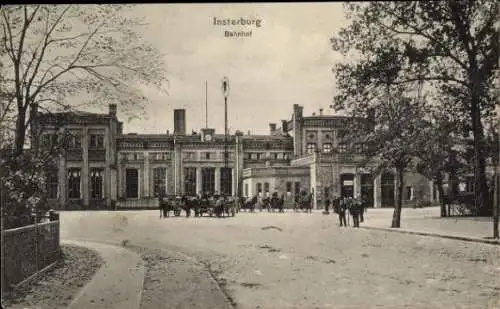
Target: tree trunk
{"type": "Point", "coordinates": [20, 133]}
{"type": "Point", "coordinates": [496, 207]}
{"type": "Point", "coordinates": [396, 217]}
{"type": "Point", "coordinates": [480, 184]}
{"type": "Point", "coordinates": [439, 184]}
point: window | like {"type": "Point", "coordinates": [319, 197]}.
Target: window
{"type": "Point", "coordinates": [207, 155]}
{"type": "Point", "coordinates": [135, 156]}
{"type": "Point", "coordinates": [288, 187]}
{"type": "Point", "coordinates": [96, 183]}
{"type": "Point", "coordinates": [297, 187]}
{"type": "Point", "coordinates": [311, 147]}
{"type": "Point", "coordinates": [52, 184]}
{"type": "Point", "coordinates": [226, 181]}
{"type": "Point", "coordinates": [96, 141]}
{"type": "Point", "coordinates": [208, 180]}
{"type": "Point", "coordinates": [342, 148]}
{"type": "Point", "coordinates": [409, 191]}
{"type": "Point", "coordinates": [327, 147]}
{"type": "Point", "coordinates": [48, 140]}
{"type": "Point", "coordinates": [75, 141]}
{"type": "Point", "coordinates": [259, 188]}
{"type": "Point", "coordinates": [159, 181]}
{"type": "Point", "coordinates": [266, 188]}
{"type": "Point", "coordinates": [74, 183]}
{"type": "Point", "coordinates": [246, 189]}
{"type": "Point", "coordinates": [132, 183]}
{"type": "Point", "coordinates": [161, 156]}
{"type": "Point", "coordinates": [190, 180]}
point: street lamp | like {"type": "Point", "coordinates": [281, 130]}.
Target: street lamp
{"type": "Point", "coordinates": [225, 93]}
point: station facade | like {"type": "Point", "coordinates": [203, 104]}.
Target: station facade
{"type": "Point", "coordinates": [102, 167]}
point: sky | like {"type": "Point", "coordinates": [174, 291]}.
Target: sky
{"type": "Point", "coordinates": [287, 60]}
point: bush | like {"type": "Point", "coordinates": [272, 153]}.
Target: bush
{"type": "Point", "coordinates": [23, 187]}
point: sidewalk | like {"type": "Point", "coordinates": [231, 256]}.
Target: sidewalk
{"type": "Point", "coordinates": [427, 221]}
{"type": "Point", "coordinates": [119, 282]}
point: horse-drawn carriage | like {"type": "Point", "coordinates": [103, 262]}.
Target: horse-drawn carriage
{"type": "Point", "coordinates": [303, 202]}
{"type": "Point", "coordinates": [216, 206]}
{"type": "Point", "coordinates": [170, 203]}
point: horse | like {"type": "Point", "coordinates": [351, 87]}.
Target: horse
{"type": "Point", "coordinates": [306, 203]}
{"type": "Point", "coordinates": [249, 203]}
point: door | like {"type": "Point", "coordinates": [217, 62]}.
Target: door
{"type": "Point", "coordinates": [132, 182]}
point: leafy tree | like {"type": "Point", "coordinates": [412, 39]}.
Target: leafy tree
{"type": "Point", "coordinates": [389, 135]}
{"type": "Point", "coordinates": [52, 52]}
{"type": "Point", "coordinates": [440, 152]}
{"type": "Point", "coordinates": [450, 47]}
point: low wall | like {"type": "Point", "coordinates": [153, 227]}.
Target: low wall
{"type": "Point", "coordinates": [143, 203]}
{"type": "Point", "coordinates": [27, 250]}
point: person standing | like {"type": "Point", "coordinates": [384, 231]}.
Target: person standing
{"type": "Point", "coordinates": [327, 205]}
{"type": "Point", "coordinates": [363, 207]}
{"type": "Point", "coordinates": [342, 206]}
{"type": "Point", "coordinates": [354, 210]}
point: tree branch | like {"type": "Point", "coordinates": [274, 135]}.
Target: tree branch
{"type": "Point", "coordinates": [42, 53]}
{"type": "Point", "coordinates": [421, 32]}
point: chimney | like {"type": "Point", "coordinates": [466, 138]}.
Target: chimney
{"type": "Point", "coordinates": [314, 114]}
{"type": "Point", "coordinates": [179, 122]}
{"type": "Point", "coordinates": [321, 112]}
{"type": "Point", "coordinates": [248, 132]}
{"type": "Point", "coordinates": [272, 128]}
{"type": "Point", "coordinates": [284, 127]}
{"type": "Point", "coordinates": [112, 109]}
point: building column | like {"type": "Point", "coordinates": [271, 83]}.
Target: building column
{"type": "Point", "coordinates": [146, 174]}
{"type": "Point", "coordinates": [177, 168]}
{"type": "Point", "coordinates": [85, 168]}
{"type": "Point", "coordinates": [62, 176]}
{"type": "Point", "coordinates": [234, 182]}
{"type": "Point", "coordinates": [357, 185]}
{"type": "Point", "coordinates": [217, 180]}
{"type": "Point", "coordinates": [199, 184]}
{"type": "Point", "coordinates": [377, 191]}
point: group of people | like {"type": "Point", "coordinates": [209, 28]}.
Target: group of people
{"type": "Point", "coordinates": [355, 206]}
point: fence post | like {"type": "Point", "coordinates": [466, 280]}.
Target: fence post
{"type": "Point", "coordinates": [36, 241]}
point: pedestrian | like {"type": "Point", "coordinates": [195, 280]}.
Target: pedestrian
{"type": "Point", "coordinates": [327, 205]}
{"type": "Point", "coordinates": [342, 205]}
{"type": "Point", "coordinates": [354, 210]}
{"type": "Point", "coordinates": [362, 210]}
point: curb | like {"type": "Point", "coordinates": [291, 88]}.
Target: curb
{"type": "Point", "coordinates": [409, 232]}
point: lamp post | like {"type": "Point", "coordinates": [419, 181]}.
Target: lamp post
{"type": "Point", "coordinates": [225, 93]}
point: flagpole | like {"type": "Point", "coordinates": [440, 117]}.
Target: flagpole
{"type": "Point", "coordinates": [206, 104]}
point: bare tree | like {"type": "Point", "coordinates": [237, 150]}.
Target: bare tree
{"type": "Point", "coordinates": [54, 52]}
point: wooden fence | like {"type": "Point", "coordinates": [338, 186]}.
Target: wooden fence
{"type": "Point", "coordinates": [28, 250]}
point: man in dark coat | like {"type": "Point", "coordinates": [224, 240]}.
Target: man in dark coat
{"type": "Point", "coordinates": [342, 206]}
{"type": "Point", "coordinates": [354, 210]}
{"type": "Point", "coordinates": [327, 202]}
